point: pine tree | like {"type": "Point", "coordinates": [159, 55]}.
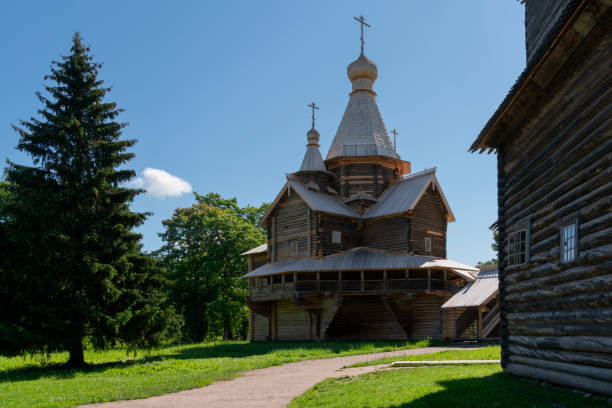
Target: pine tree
{"type": "Point", "coordinates": [76, 267]}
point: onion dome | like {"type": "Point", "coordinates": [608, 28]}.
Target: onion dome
{"type": "Point", "coordinates": [362, 73]}
{"type": "Point", "coordinates": [362, 131]}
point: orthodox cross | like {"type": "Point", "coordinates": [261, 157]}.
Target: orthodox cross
{"type": "Point", "coordinates": [395, 133]}
{"type": "Point", "coordinates": [361, 21]}
{"type": "Point", "coordinates": [313, 106]}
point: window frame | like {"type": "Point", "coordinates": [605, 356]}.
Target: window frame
{"type": "Point", "coordinates": [521, 226]}
{"type": "Point", "coordinates": [563, 226]}
{"type": "Point", "coordinates": [333, 237]}
{"type": "Point", "coordinates": [428, 243]}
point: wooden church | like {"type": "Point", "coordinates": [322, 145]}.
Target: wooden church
{"type": "Point", "coordinates": [356, 243]}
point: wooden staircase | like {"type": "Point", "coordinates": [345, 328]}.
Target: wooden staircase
{"type": "Point", "coordinates": [490, 321]}
{"type": "Point", "coordinates": [465, 320]}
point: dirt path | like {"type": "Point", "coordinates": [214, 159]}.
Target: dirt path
{"type": "Point", "coordinates": [270, 387]}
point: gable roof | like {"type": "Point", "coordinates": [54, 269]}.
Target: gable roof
{"type": "Point", "coordinates": [477, 293]}
{"type": "Point", "coordinates": [363, 258]}
{"type": "Point", "coordinates": [405, 195]}
{"type": "Point", "coordinates": [324, 203]}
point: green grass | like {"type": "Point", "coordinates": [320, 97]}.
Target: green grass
{"type": "Point", "coordinates": [483, 353]}
{"type": "Point", "coordinates": [424, 387]}
{"type": "Point", "coordinates": [113, 375]}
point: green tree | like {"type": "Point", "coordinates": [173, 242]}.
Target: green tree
{"type": "Point", "coordinates": [250, 213]}
{"type": "Point", "coordinates": [494, 247]}
{"type": "Point", "coordinates": [76, 267]}
{"type": "Point", "coordinates": [201, 251]}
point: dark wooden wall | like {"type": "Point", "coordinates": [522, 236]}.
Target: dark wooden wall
{"type": "Point", "coordinates": [351, 233]}
{"type": "Point", "coordinates": [429, 215]}
{"type": "Point", "coordinates": [557, 317]}
{"type": "Point", "coordinates": [390, 234]}
{"type": "Point", "coordinates": [355, 178]}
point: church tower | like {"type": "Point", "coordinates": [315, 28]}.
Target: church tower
{"type": "Point", "coordinates": [362, 156]}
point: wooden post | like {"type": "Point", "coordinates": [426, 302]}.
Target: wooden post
{"type": "Point", "coordinates": [479, 322]}
{"type": "Point", "coordinates": [339, 281]}
{"type": "Point", "coordinates": [384, 280]}
{"type": "Point", "coordinates": [309, 234]}
{"type": "Point", "coordinates": [282, 282]}
{"type": "Point", "coordinates": [362, 280]}
{"type": "Point", "coordinates": [295, 281]}
{"type": "Point", "coordinates": [318, 281]}
{"type": "Point", "coordinates": [273, 239]}
{"type": "Point", "coordinates": [429, 279]}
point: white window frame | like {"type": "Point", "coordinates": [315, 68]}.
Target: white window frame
{"type": "Point", "coordinates": [336, 237]}
{"type": "Point", "coordinates": [569, 242]}
{"type": "Point", "coordinates": [428, 245]}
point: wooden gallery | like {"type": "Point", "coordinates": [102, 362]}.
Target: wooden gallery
{"type": "Point", "coordinates": [356, 244]}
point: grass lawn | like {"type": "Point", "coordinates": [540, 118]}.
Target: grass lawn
{"type": "Point", "coordinates": [429, 387]}
{"type": "Point", "coordinates": [484, 353]}
{"type": "Point", "coordinates": [113, 375]}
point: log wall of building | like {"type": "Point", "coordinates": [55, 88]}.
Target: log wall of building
{"type": "Point", "coordinates": [429, 221]}
{"type": "Point", "coordinates": [260, 327]}
{"type": "Point", "coordinates": [290, 222]}
{"type": "Point", "coordinates": [557, 317]}
{"type": "Point", "coordinates": [390, 234]}
{"type": "Point", "coordinates": [351, 234]}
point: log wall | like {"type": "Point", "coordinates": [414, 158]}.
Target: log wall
{"type": "Point", "coordinates": [260, 327]}
{"type": "Point", "coordinates": [556, 316]}
{"type": "Point", "coordinates": [367, 178]}
{"type": "Point", "coordinates": [390, 234]}
{"type": "Point", "coordinates": [351, 233]}
{"type": "Point", "coordinates": [429, 216]}
{"type": "Point", "coordinates": [290, 222]}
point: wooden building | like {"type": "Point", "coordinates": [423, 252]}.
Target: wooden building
{"type": "Point", "coordinates": [553, 138]}
{"type": "Point", "coordinates": [356, 244]}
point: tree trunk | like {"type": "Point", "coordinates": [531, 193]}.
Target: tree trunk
{"type": "Point", "coordinates": [77, 359]}
{"type": "Point", "coordinates": [227, 330]}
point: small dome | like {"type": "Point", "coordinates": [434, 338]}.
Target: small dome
{"type": "Point", "coordinates": [362, 67]}
{"type": "Point", "coordinates": [313, 136]}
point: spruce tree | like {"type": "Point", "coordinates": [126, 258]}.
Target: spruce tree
{"type": "Point", "coordinates": [76, 268]}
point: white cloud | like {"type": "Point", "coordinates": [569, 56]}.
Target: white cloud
{"type": "Point", "coordinates": [161, 184]}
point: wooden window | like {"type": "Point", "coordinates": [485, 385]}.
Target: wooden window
{"type": "Point", "coordinates": [427, 245]}
{"type": "Point", "coordinates": [517, 248]}
{"type": "Point", "coordinates": [569, 240]}
{"type": "Point", "coordinates": [336, 237]}
{"type": "Point", "coordinates": [293, 247]}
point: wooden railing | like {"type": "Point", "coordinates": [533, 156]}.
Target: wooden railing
{"type": "Point", "coordinates": [352, 285]}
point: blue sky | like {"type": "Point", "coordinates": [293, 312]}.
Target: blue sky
{"type": "Point", "coordinates": [216, 92]}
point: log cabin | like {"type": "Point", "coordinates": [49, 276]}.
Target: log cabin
{"type": "Point", "coordinates": [553, 139]}
{"type": "Point", "coordinates": [356, 243]}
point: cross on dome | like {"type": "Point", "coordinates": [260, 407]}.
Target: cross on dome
{"type": "Point", "coordinates": [313, 106]}
{"type": "Point", "coordinates": [361, 21]}
{"type": "Point", "coordinates": [395, 133]}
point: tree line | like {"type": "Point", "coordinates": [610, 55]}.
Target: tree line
{"type": "Point", "coordinates": [73, 272]}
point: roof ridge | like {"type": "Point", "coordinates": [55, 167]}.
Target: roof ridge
{"type": "Point", "coordinates": [419, 173]}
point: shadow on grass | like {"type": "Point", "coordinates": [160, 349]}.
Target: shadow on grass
{"type": "Point", "coordinates": [198, 351]}
{"type": "Point", "coordinates": [500, 390]}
